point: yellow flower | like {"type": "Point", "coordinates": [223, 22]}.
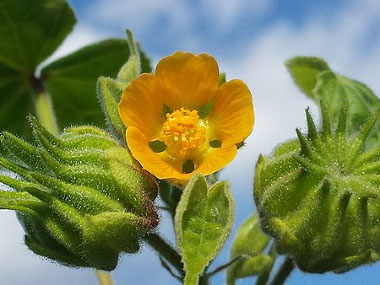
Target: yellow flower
{"type": "Point", "coordinates": [171, 130]}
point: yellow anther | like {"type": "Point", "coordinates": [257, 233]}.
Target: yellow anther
{"type": "Point", "coordinates": [182, 132]}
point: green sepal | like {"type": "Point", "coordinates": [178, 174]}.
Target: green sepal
{"type": "Point", "coordinates": [80, 196]}
{"type": "Point", "coordinates": [110, 90]}
{"type": "Point", "coordinates": [203, 221]}
{"type": "Point", "coordinates": [132, 68]}
{"type": "Point", "coordinates": [19, 201]}
{"type": "Point", "coordinates": [109, 93]}
{"type": "Point", "coordinates": [249, 245]}
{"type": "Point", "coordinates": [319, 199]}
{"type": "Point", "coordinates": [221, 78]}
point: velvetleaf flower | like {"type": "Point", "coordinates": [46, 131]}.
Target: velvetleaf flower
{"type": "Point", "coordinates": [180, 121]}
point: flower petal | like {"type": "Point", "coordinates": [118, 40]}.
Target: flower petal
{"type": "Point", "coordinates": [153, 162]}
{"type": "Point", "coordinates": [216, 159]}
{"type": "Point", "coordinates": [141, 105]}
{"type": "Point", "coordinates": [188, 80]}
{"type": "Point", "coordinates": [232, 116]}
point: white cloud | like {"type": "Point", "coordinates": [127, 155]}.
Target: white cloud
{"type": "Point", "coordinates": [227, 12]}
{"type": "Point", "coordinates": [141, 15]}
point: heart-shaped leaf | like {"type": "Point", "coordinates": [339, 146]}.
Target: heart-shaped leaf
{"type": "Point", "coordinates": [203, 222]}
{"type": "Point", "coordinates": [71, 80]}
{"type": "Point", "coordinates": [30, 31]}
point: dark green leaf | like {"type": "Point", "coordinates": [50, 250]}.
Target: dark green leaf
{"type": "Point", "coordinates": [144, 61]}
{"type": "Point", "coordinates": [30, 30]}
{"type": "Point", "coordinates": [71, 80]}
{"type": "Point", "coordinates": [15, 101]}
{"type": "Point", "coordinates": [305, 70]}
{"type": "Point", "coordinates": [203, 222]}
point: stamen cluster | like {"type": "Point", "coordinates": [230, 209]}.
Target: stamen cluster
{"type": "Point", "coordinates": [182, 132]}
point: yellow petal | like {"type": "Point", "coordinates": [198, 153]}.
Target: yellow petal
{"type": "Point", "coordinates": [156, 163]}
{"type": "Point", "coordinates": [232, 117]}
{"type": "Point", "coordinates": [188, 80]}
{"type": "Point", "coordinates": [216, 159]}
{"type": "Point", "coordinates": [141, 105]}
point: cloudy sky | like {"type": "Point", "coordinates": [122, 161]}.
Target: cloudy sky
{"type": "Point", "coordinates": [250, 40]}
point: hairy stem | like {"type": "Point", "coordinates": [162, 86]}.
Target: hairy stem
{"type": "Point", "coordinates": [284, 272]}
{"type": "Point", "coordinates": [104, 277]}
{"type": "Point", "coordinates": [165, 251]}
{"type": "Point", "coordinates": [43, 105]}
{"type": "Point", "coordinates": [45, 112]}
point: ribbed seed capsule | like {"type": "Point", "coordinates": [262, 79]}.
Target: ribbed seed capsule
{"type": "Point", "coordinates": [80, 196]}
{"type": "Point", "coordinates": [320, 197]}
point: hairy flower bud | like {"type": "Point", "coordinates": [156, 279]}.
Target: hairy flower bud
{"type": "Point", "coordinates": [319, 196]}
{"type": "Point", "coordinates": [80, 196]}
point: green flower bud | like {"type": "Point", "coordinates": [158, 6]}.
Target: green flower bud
{"type": "Point", "coordinates": [319, 197]}
{"type": "Point", "coordinates": [80, 196]}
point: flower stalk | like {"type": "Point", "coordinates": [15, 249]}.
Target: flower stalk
{"type": "Point", "coordinates": [104, 277]}
{"type": "Point", "coordinates": [45, 112]}
{"type": "Point", "coordinates": [284, 272]}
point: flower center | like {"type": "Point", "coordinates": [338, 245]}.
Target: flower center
{"type": "Point", "coordinates": [183, 132]}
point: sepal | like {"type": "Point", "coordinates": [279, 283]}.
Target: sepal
{"type": "Point", "coordinates": [80, 196]}
{"type": "Point", "coordinates": [319, 198]}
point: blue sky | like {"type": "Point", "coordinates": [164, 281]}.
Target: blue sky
{"type": "Point", "coordinates": [250, 40]}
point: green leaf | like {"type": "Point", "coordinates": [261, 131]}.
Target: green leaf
{"type": "Point", "coordinates": [249, 240]}
{"type": "Point", "coordinates": [314, 77]}
{"type": "Point", "coordinates": [203, 221]}
{"type": "Point", "coordinates": [15, 101]}
{"type": "Point", "coordinates": [71, 80]}
{"type": "Point", "coordinates": [108, 91]}
{"type": "Point", "coordinates": [249, 244]}
{"type": "Point", "coordinates": [305, 70]}
{"type": "Point", "coordinates": [335, 89]}
{"type": "Point", "coordinates": [30, 30]}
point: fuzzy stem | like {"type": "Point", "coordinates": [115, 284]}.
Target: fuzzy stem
{"type": "Point", "coordinates": [104, 277]}
{"type": "Point", "coordinates": [165, 250]}
{"type": "Point", "coordinates": [284, 272]}
{"type": "Point", "coordinates": [45, 112]}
